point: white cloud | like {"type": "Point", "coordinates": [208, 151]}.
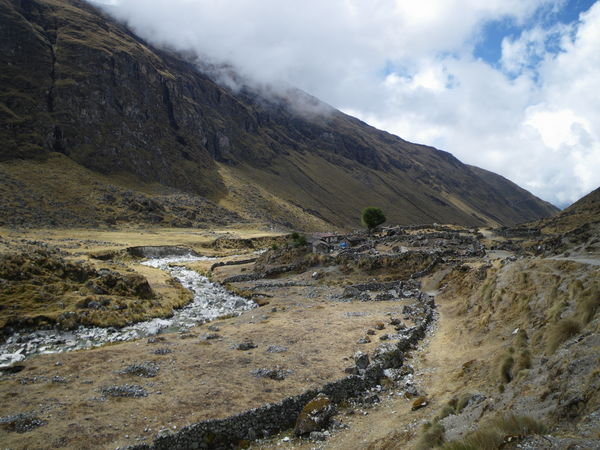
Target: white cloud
{"type": "Point", "coordinates": [408, 67]}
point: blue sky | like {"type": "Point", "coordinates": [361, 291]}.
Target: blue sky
{"type": "Point", "coordinates": [489, 45]}
{"type": "Point", "coordinates": [508, 85]}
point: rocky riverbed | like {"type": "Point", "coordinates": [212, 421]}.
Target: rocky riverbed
{"type": "Point", "coordinates": [211, 300]}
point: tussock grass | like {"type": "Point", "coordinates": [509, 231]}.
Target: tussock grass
{"type": "Point", "coordinates": [478, 440]}
{"type": "Point", "coordinates": [561, 332]}
{"type": "Point", "coordinates": [446, 411]}
{"type": "Point", "coordinates": [555, 311]}
{"type": "Point", "coordinates": [506, 368]}
{"type": "Point", "coordinates": [433, 436]}
{"type": "Point", "coordinates": [518, 425]}
{"type": "Point", "coordinates": [588, 303]}
{"type": "Point", "coordinates": [493, 434]}
{"type": "Point", "coordinates": [521, 339]}
{"type": "Point", "coordinates": [523, 361]}
{"type": "Point", "coordinates": [463, 401]}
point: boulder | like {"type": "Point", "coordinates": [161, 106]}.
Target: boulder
{"type": "Point", "coordinates": [361, 360]}
{"type": "Point", "coordinates": [315, 415]}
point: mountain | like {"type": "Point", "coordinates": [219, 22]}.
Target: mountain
{"type": "Point", "coordinates": [585, 212]}
{"type": "Point", "coordinates": [81, 92]}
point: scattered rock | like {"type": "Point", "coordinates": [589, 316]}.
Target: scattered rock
{"type": "Point", "coordinates": [210, 336]}
{"type": "Point", "coordinates": [370, 332]}
{"type": "Point", "coordinates": [187, 336]}
{"type": "Point", "coordinates": [246, 345]}
{"type": "Point", "coordinates": [163, 351]}
{"type": "Point", "coordinates": [319, 436]}
{"type": "Point", "coordinates": [379, 326]}
{"type": "Point", "coordinates": [364, 340]}
{"type": "Point", "coordinates": [21, 423]}
{"type": "Point", "coordinates": [16, 368]}
{"type": "Point", "coordinates": [124, 390]}
{"type": "Point", "coordinates": [274, 374]}
{"type": "Point", "coordinates": [146, 370]}
{"type": "Point", "coordinates": [276, 349]}
{"type": "Point", "coordinates": [361, 360]}
{"type": "Point", "coordinates": [315, 415]}
{"type": "Point", "coordinates": [388, 355]}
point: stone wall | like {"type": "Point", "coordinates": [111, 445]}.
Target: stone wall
{"type": "Point", "coordinates": [276, 417]}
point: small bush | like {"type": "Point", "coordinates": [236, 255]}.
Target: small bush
{"type": "Point", "coordinates": [298, 240]}
{"type": "Point", "coordinates": [561, 332]}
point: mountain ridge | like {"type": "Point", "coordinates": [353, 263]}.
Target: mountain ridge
{"type": "Point", "coordinates": [83, 85]}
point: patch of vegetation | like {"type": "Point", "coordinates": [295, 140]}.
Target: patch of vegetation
{"type": "Point", "coordinates": [588, 303]}
{"type": "Point", "coordinates": [41, 288]}
{"type": "Point", "coordinates": [432, 436]}
{"type": "Point", "coordinates": [496, 433]}
{"type": "Point", "coordinates": [372, 217]}
{"type": "Point", "coordinates": [561, 332]}
{"type": "Point", "coordinates": [506, 369]}
{"type": "Point", "coordinates": [298, 240]}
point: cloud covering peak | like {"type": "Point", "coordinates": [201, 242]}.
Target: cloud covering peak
{"type": "Point", "coordinates": [531, 113]}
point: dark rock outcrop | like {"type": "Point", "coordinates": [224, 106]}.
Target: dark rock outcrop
{"type": "Point", "coordinates": [76, 82]}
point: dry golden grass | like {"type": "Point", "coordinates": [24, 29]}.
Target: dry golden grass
{"type": "Point", "coordinates": [198, 379]}
{"type": "Point", "coordinates": [561, 332]}
{"type": "Point", "coordinates": [493, 434]}
{"type": "Point", "coordinates": [432, 436]}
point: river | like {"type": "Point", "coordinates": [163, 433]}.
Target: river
{"type": "Point", "coordinates": [210, 301]}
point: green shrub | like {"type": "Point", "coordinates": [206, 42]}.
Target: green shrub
{"type": "Point", "coordinates": [372, 217]}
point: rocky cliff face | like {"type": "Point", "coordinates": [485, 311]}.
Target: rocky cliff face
{"type": "Point", "coordinates": [76, 82]}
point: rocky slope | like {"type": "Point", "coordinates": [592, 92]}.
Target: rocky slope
{"type": "Point", "coordinates": [78, 83]}
{"type": "Point", "coordinates": [584, 212]}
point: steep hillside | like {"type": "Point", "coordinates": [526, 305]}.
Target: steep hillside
{"type": "Point", "coordinates": [78, 83]}
{"type": "Point", "coordinates": [584, 212]}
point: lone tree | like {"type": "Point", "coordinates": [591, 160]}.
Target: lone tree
{"type": "Point", "coordinates": [372, 217]}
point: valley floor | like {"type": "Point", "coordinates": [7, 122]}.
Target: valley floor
{"type": "Point", "coordinates": [497, 348]}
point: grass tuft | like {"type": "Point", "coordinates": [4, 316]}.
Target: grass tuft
{"type": "Point", "coordinates": [506, 367]}
{"type": "Point", "coordinates": [588, 303]}
{"type": "Point", "coordinates": [432, 436]}
{"type": "Point", "coordinates": [494, 434]}
{"type": "Point", "coordinates": [561, 332]}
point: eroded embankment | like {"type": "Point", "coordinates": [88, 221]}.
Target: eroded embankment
{"type": "Point", "coordinates": [515, 356]}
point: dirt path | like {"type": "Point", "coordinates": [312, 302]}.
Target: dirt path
{"type": "Point", "coordinates": [442, 370]}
